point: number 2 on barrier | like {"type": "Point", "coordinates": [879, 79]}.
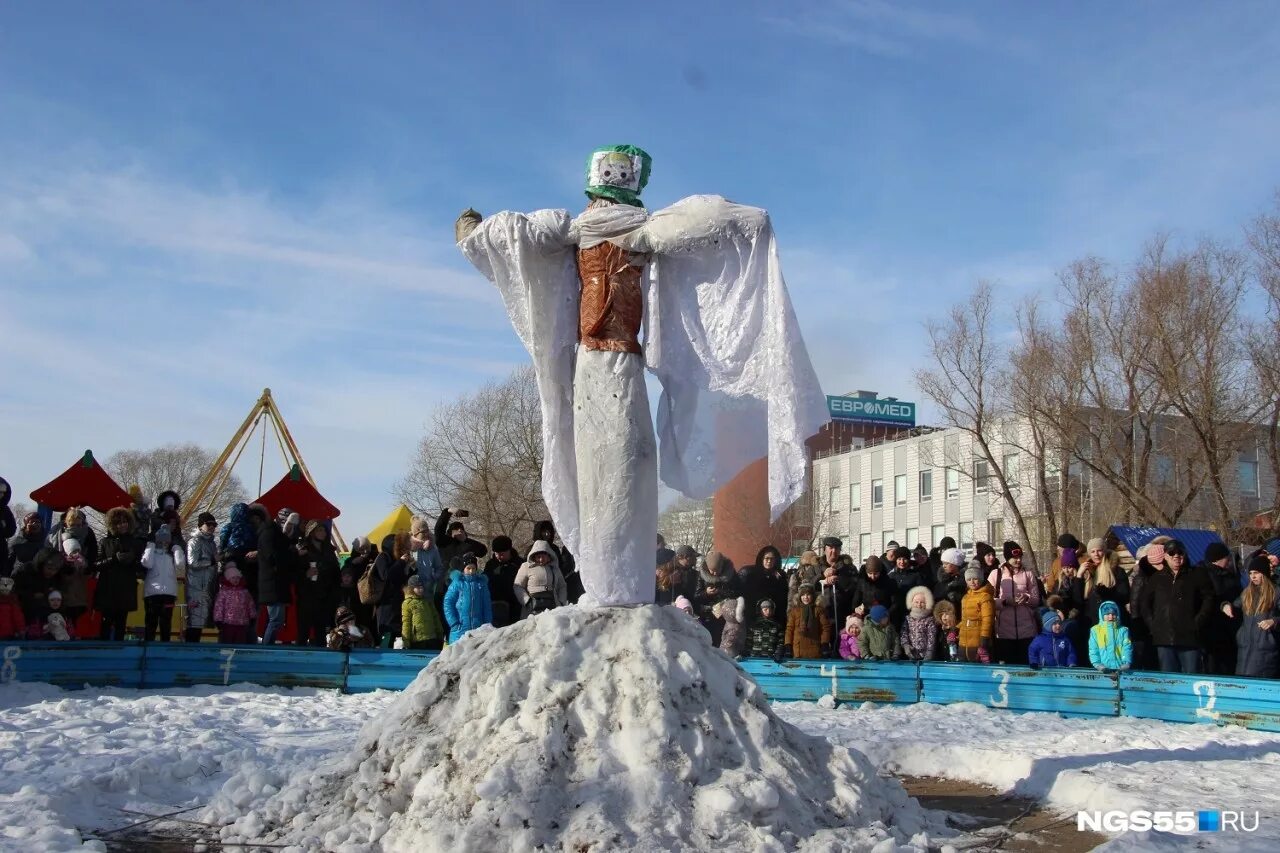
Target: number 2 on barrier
{"type": "Point", "coordinates": [230, 655]}
{"type": "Point", "coordinates": [1003, 689]}
{"type": "Point", "coordinates": [9, 668]}
{"type": "Point", "coordinates": [1210, 695]}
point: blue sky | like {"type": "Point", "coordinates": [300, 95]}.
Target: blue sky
{"type": "Point", "coordinates": [201, 200]}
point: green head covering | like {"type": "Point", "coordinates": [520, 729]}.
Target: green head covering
{"type": "Point", "coordinates": [618, 172]}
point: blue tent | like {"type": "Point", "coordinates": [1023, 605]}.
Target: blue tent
{"type": "Point", "coordinates": [1196, 541]}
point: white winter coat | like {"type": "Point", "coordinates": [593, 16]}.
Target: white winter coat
{"type": "Point", "coordinates": [163, 568]}
{"type": "Point", "coordinates": [533, 579]}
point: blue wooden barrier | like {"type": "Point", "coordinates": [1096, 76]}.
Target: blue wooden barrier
{"type": "Point", "coordinates": [1252, 703]}
{"type": "Point", "coordinates": [376, 669]}
{"type": "Point", "coordinates": [1217, 700]}
{"type": "Point", "coordinates": [73, 666]}
{"type": "Point", "coordinates": [185, 664]}
{"type": "Point", "coordinates": [849, 681]}
{"type": "Point", "coordinates": [1071, 692]}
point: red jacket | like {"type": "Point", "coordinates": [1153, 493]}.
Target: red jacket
{"type": "Point", "coordinates": [12, 622]}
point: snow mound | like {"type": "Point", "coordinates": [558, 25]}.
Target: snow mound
{"type": "Point", "coordinates": [579, 730]}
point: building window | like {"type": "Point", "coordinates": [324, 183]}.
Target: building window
{"type": "Point", "coordinates": [981, 476]}
{"type": "Point", "coordinates": [953, 482]}
{"type": "Point", "coordinates": [855, 497]}
{"type": "Point", "coordinates": [1163, 469]}
{"type": "Point", "coordinates": [864, 546]}
{"type": "Point", "coordinates": [1010, 464]}
{"type": "Point", "coordinates": [995, 528]}
{"type": "Point", "coordinates": [877, 494]}
{"type": "Point", "coordinates": [926, 485]}
{"type": "Point", "coordinates": [913, 536]}
{"type": "Point", "coordinates": [935, 535]}
{"type": "Point", "coordinates": [835, 500]}
{"type": "Point", "coordinates": [1249, 478]}
{"type": "Point", "coordinates": [885, 538]}
{"type": "Point", "coordinates": [900, 489]}
{"type": "Point", "coordinates": [966, 536]}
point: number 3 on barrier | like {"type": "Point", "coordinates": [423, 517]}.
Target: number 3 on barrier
{"type": "Point", "coordinates": [9, 668]}
{"type": "Point", "coordinates": [1210, 695]}
{"type": "Point", "coordinates": [1003, 700]}
{"type": "Point", "coordinates": [230, 655]}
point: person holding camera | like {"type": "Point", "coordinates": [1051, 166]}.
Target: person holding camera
{"type": "Point", "coordinates": [452, 539]}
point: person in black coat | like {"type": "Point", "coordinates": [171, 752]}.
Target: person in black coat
{"type": "Point", "coordinates": [1220, 631]}
{"type": "Point", "coordinates": [951, 585]}
{"type": "Point", "coordinates": [275, 563]}
{"type": "Point", "coordinates": [8, 526]}
{"type": "Point", "coordinates": [391, 567]}
{"type": "Point", "coordinates": [318, 582]}
{"type": "Point", "coordinates": [906, 575]}
{"type": "Point", "coordinates": [501, 571]}
{"type": "Point", "coordinates": [118, 569]}
{"type": "Point", "coordinates": [678, 576]}
{"type": "Point", "coordinates": [763, 579]}
{"type": "Point", "coordinates": [1176, 605]}
{"type": "Point", "coordinates": [25, 545]}
{"type": "Point", "coordinates": [872, 586]}
{"type": "Point", "coordinates": [452, 540]}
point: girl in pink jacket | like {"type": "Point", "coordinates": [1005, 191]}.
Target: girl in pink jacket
{"type": "Point", "coordinates": [1017, 595]}
{"type": "Point", "coordinates": [234, 611]}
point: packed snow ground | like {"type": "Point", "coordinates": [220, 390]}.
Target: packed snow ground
{"type": "Point", "coordinates": [70, 761]}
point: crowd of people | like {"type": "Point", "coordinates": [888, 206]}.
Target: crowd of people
{"type": "Point", "coordinates": [918, 604]}
{"type": "Point", "coordinates": [431, 585]}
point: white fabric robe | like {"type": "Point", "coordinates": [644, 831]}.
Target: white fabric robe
{"type": "Point", "coordinates": [719, 334]}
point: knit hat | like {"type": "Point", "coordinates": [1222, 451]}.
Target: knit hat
{"type": "Point", "coordinates": [230, 572]}
{"type": "Point", "coordinates": [162, 535]}
{"type": "Point", "coordinates": [902, 553]}
{"type": "Point", "coordinates": [852, 621]}
{"type": "Point", "coordinates": [1068, 540]}
{"type": "Point", "coordinates": [1215, 551]}
{"type": "Point", "coordinates": [205, 518]}
{"type": "Point", "coordinates": [891, 546]}
{"type": "Point", "coordinates": [343, 615]}
{"type": "Point", "coordinates": [687, 552]}
{"type": "Point", "coordinates": [1097, 544]}
{"type": "Point", "coordinates": [765, 602]}
{"type": "Point", "coordinates": [878, 613]}
{"type": "Point", "coordinates": [415, 582]}
{"type": "Point", "coordinates": [982, 549]}
{"type": "Point", "coordinates": [1069, 558]}
{"type": "Point", "coordinates": [54, 595]}
{"type": "Point", "coordinates": [954, 557]}
{"type": "Point", "coordinates": [946, 542]}
{"type": "Point", "coordinates": [500, 543]}
{"type": "Point", "coordinates": [70, 546]}
{"type": "Point", "coordinates": [1010, 547]}
{"type": "Point", "coordinates": [684, 604]}
{"type": "Point", "coordinates": [1260, 563]}
{"type": "Point", "coordinates": [619, 172]}
{"type": "Point", "coordinates": [1049, 618]}
{"type": "Point", "coordinates": [973, 573]}
{"type": "Point", "coordinates": [832, 541]}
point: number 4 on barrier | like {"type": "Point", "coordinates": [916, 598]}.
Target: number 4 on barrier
{"type": "Point", "coordinates": [1003, 689]}
{"type": "Point", "coordinates": [1210, 695]}
{"type": "Point", "coordinates": [9, 668]}
{"type": "Point", "coordinates": [230, 655]}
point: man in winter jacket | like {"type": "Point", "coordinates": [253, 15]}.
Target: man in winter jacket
{"type": "Point", "coordinates": [872, 587]}
{"type": "Point", "coordinates": [275, 563]}
{"type": "Point", "coordinates": [501, 571]}
{"type": "Point", "coordinates": [25, 545]}
{"type": "Point", "coordinates": [1220, 630]}
{"type": "Point", "coordinates": [1051, 648]}
{"type": "Point", "coordinates": [1176, 605]}
{"type": "Point", "coordinates": [452, 540]}
{"type": "Point", "coordinates": [1109, 645]}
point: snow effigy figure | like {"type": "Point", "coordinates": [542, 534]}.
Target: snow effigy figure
{"type": "Point", "coordinates": [693, 292]}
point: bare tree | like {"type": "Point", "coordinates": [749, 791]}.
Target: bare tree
{"type": "Point", "coordinates": [1264, 352]}
{"type": "Point", "coordinates": [483, 453]}
{"type": "Point", "coordinates": [970, 383]}
{"type": "Point", "coordinates": [176, 467]}
{"type": "Point", "coordinates": [687, 522]}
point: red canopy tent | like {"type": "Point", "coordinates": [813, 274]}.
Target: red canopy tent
{"type": "Point", "coordinates": [299, 495]}
{"type": "Point", "coordinates": [83, 484]}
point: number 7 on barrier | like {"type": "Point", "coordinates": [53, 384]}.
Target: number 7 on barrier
{"type": "Point", "coordinates": [230, 655]}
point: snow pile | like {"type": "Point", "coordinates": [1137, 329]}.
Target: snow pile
{"type": "Point", "coordinates": [580, 730]}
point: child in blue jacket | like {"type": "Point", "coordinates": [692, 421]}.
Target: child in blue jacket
{"type": "Point", "coordinates": [467, 603]}
{"type": "Point", "coordinates": [1051, 647]}
{"type": "Point", "coordinates": [1109, 643]}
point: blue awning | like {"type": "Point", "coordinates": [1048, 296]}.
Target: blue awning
{"type": "Point", "coordinates": [1196, 541]}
